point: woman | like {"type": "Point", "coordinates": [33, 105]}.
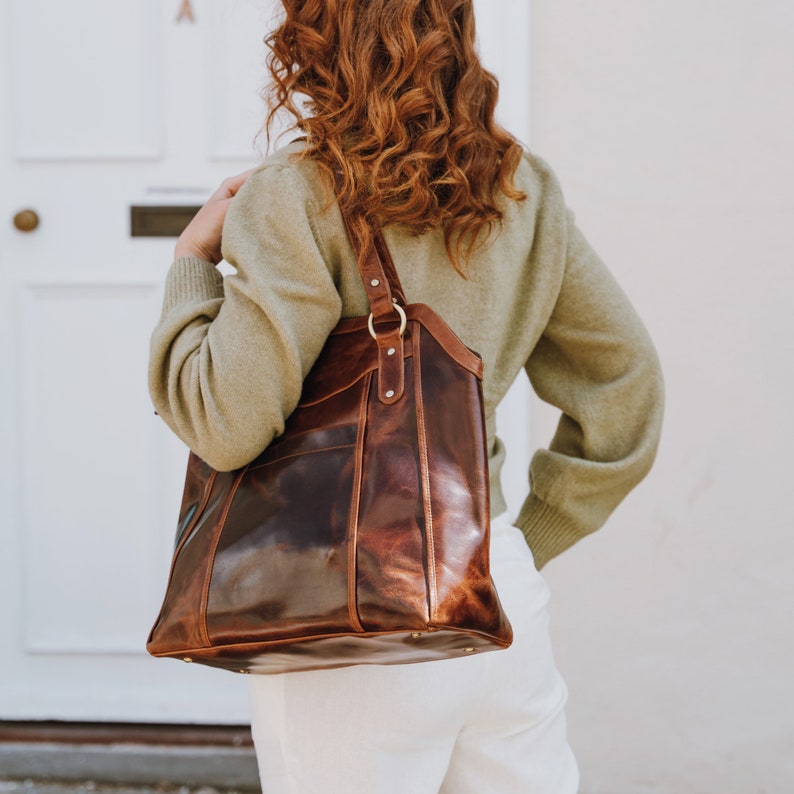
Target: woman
{"type": "Point", "coordinates": [397, 103]}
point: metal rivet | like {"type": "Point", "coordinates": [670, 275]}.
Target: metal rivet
{"type": "Point", "coordinates": [375, 282]}
{"type": "Point", "coordinates": [469, 650]}
{"type": "Point", "coordinates": [187, 659]}
{"type": "Point", "coordinates": [390, 393]}
{"type": "Point", "coordinates": [391, 351]}
{"type": "Point", "coordinates": [416, 635]}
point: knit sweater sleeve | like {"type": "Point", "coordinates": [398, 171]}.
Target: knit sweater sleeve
{"type": "Point", "coordinates": [228, 356]}
{"type": "Point", "coordinates": [597, 364]}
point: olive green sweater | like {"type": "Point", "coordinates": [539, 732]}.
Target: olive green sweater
{"type": "Point", "coordinates": [229, 355]}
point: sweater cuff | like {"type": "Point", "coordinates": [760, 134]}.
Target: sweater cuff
{"type": "Point", "coordinates": [191, 280]}
{"type": "Point", "coordinates": [548, 532]}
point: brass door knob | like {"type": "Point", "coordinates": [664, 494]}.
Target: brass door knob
{"type": "Point", "coordinates": [26, 220]}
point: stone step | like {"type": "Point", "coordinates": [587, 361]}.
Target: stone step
{"type": "Point", "coordinates": [91, 787]}
{"type": "Point", "coordinates": [137, 757]}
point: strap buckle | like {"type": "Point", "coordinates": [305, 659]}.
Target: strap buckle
{"type": "Point", "coordinates": [403, 321]}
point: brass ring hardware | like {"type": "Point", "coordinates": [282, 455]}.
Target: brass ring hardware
{"type": "Point", "coordinates": [26, 220]}
{"type": "Point", "coordinates": [403, 321]}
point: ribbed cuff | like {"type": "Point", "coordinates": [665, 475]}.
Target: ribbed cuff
{"type": "Point", "coordinates": [191, 280]}
{"type": "Point", "coordinates": [548, 532]}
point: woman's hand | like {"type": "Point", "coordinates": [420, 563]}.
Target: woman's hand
{"type": "Point", "coordinates": [202, 236]}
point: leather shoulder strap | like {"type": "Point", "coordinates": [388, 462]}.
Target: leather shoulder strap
{"type": "Point", "coordinates": [377, 272]}
{"type": "Point", "coordinates": [383, 290]}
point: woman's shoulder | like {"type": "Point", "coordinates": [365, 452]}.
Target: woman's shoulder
{"type": "Point", "coordinates": [280, 185]}
{"type": "Point", "coordinates": [284, 166]}
{"type": "Point", "coordinates": [536, 177]}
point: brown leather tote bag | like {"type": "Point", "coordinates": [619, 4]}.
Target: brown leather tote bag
{"type": "Point", "coordinates": [360, 535]}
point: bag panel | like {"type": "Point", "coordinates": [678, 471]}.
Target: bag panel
{"type": "Point", "coordinates": [391, 554]}
{"type": "Point", "coordinates": [445, 337]}
{"type": "Point", "coordinates": [198, 482]}
{"type": "Point", "coordinates": [179, 624]}
{"type": "Point", "coordinates": [459, 498]}
{"type": "Point", "coordinates": [281, 564]}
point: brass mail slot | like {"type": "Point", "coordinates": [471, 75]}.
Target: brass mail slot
{"type": "Point", "coordinates": [166, 221]}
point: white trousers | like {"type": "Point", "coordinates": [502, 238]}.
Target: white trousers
{"type": "Point", "coordinates": [488, 724]}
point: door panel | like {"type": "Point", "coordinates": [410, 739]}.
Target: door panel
{"type": "Point", "coordinates": [86, 79]}
{"type": "Point", "coordinates": [90, 500]}
{"type": "Point", "coordinates": [114, 105]}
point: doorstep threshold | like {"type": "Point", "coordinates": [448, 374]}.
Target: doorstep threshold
{"type": "Point", "coordinates": [129, 754]}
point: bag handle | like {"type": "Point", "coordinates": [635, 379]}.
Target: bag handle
{"type": "Point", "coordinates": [386, 301]}
{"type": "Point", "coordinates": [376, 266]}
{"type": "Point", "coordinates": [378, 272]}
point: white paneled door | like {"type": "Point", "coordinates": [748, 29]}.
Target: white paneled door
{"type": "Point", "coordinates": [106, 107]}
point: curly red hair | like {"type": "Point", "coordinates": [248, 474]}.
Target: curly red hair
{"type": "Point", "coordinates": [398, 112]}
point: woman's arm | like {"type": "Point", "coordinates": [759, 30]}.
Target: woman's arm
{"type": "Point", "coordinates": [229, 356]}
{"type": "Point", "coordinates": [597, 364]}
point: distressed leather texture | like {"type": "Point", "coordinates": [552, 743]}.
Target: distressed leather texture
{"type": "Point", "coordinates": [361, 534]}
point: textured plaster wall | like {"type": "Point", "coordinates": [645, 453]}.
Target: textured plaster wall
{"type": "Point", "coordinates": [670, 125]}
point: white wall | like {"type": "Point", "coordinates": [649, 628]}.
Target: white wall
{"type": "Point", "coordinates": [670, 127]}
